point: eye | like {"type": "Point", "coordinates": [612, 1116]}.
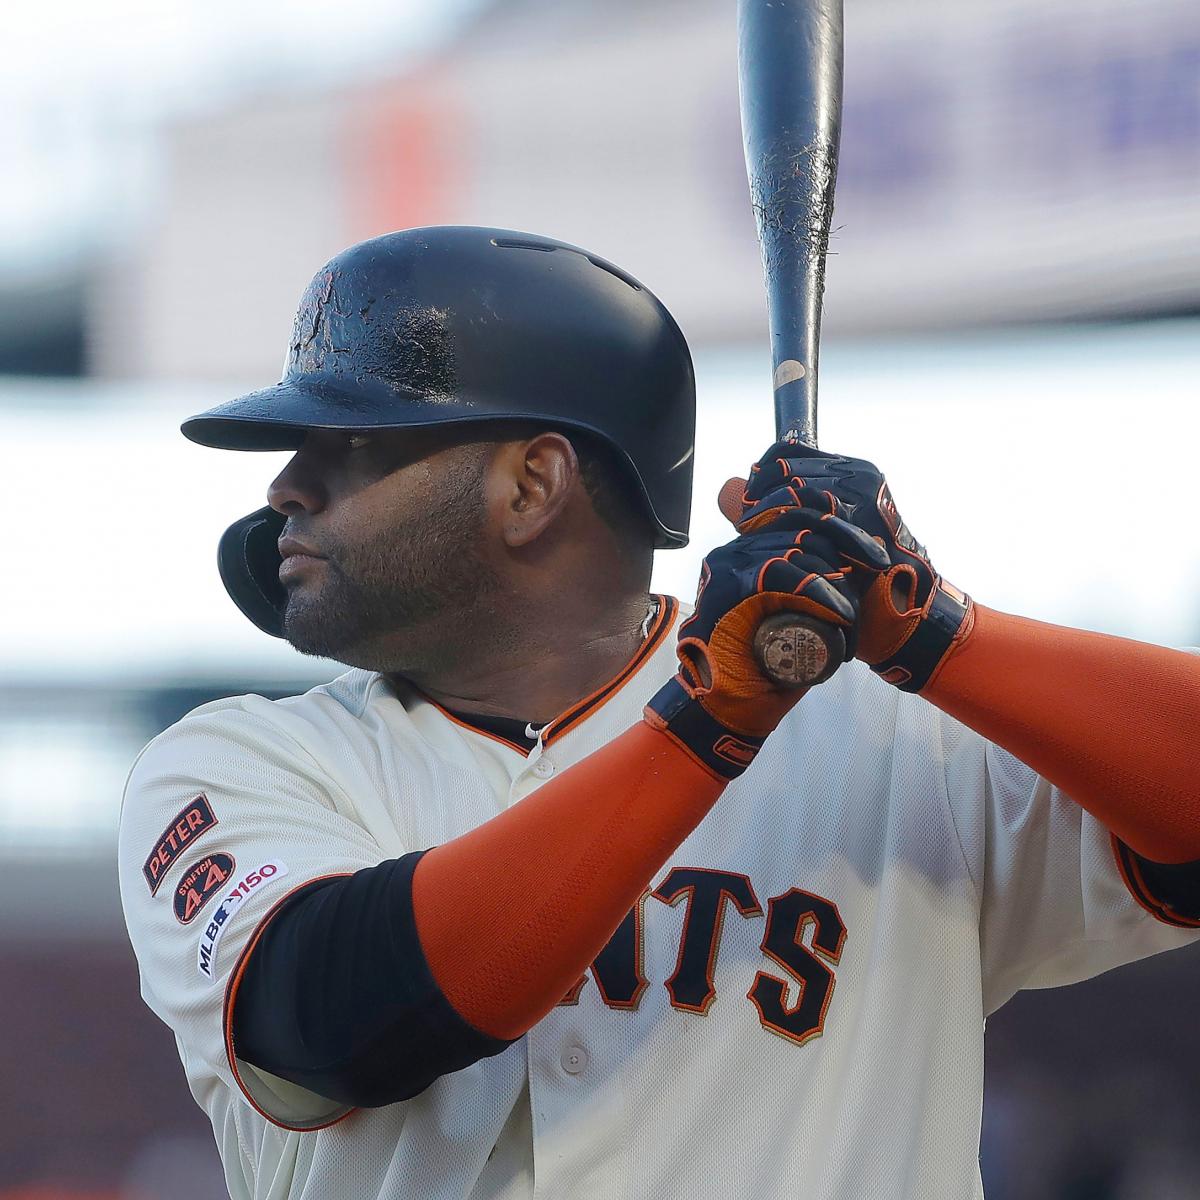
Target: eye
{"type": "Point", "coordinates": [356, 441]}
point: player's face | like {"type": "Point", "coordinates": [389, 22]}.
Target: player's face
{"type": "Point", "coordinates": [396, 525]}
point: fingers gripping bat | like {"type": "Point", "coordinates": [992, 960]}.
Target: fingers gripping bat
{"type": "Point", "coordinates": [790, 79]}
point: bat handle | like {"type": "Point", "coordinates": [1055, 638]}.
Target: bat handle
{"type": "Point", "coordinates": [794, 650]}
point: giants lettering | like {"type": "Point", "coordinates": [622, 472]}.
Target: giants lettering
{"type": "Point", "coordinates": [788, 916]}
{"type": "Point", "coordinates": [691, 987]}
{"type": "Point", "coordinates": [792, 918]}
{"type": "Point", "coordinates": [619, 967]}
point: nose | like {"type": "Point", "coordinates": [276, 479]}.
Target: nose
{"type": "Point", "coordinates": [298, 488]}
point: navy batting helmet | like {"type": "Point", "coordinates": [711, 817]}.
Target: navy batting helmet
{"type": "Point", "coordinates": [456, 324]}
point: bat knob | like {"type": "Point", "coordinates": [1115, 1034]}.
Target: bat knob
{"type": "Point", "coordinates": [795, 651]}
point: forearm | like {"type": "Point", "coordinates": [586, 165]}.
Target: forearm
{"type": "Point", "coordinates": [369, 987]}
{"type": "Point", "coordinates": [1114, 723]}
{"type": "Point", "coordinates": [512, 913]}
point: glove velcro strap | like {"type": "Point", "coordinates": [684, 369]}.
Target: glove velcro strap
{"type": "Point", "coordinates": [913, 664]}
{"type": "Point", "coordinates": [722, 751]}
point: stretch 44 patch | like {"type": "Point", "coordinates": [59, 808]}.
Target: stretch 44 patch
{"type": "Point", "coordinates": [200, 883]}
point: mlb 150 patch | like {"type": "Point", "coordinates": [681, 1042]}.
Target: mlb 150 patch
{"type": "Point", "coordinates": [194, 819]}
{"type": "Point", "coordinates": [234, 898]}
{"type": "Point", "coordinates": [200, 883]}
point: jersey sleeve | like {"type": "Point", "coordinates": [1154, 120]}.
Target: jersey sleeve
{"type": "Point", "coordinates": [224, 817]}
{"type": "Point", "coordinates": [1054, 904]}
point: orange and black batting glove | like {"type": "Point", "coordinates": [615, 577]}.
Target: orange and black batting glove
{"type": "Point", "coordinates": [911, 620]}
{"type": "Point", "coordinates": [720, 706]}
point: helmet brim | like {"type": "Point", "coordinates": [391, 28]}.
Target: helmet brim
{"type": "Point", "coordinates": [279, 417]}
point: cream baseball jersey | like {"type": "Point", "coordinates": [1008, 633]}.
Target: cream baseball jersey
{"type": "Point", "coordinates": [796, 1006]}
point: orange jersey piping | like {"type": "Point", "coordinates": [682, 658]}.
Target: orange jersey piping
{"type": "Point", "coordinates": [668, 607]}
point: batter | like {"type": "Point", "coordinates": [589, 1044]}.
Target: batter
{"type": "Point", "coordinates": [552, 893]}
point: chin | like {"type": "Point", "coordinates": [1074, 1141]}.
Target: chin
{"type": "Point", "coordinates": [312, 628]}
{"type": "Point", "coordinates": [322, 631]}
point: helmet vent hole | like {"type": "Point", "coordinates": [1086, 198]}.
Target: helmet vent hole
{"type": "Point", "coordinates": [514, 244]}
{"type": "Point", "coordinates": [607, 266]}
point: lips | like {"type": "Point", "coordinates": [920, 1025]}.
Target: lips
{"type": "Point", "coordinates": [295, 558]}
{"type": "Point", "coordinates": [290, 547]}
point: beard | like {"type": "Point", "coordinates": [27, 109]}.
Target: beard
{"type": "Point", "coordinates": [399, 599]}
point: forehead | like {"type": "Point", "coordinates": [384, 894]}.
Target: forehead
{"type": "Point", "coordinates": [410, 443]}
{"type": "Point", "coordinates": [372, 455]}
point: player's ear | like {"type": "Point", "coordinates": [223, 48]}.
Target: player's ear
{"type": "Point", "coordinates": [534, 478]}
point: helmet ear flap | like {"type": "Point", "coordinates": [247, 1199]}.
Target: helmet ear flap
{"type": "Point", "coordinates": [248, 559]}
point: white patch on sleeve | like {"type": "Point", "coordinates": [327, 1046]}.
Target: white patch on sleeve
{"type": "Point", "coordinates": [245, 887]}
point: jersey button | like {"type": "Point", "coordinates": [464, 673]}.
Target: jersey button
{"type": "Point", "coordinates": [543, 768]}
{"type": "Point", "coordinates": [574, 1059]}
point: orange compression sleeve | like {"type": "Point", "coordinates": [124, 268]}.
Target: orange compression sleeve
{"type": "Point", "coordinates": [1115, 724]}
{"type": "Point", "coordinates": [511, 914]}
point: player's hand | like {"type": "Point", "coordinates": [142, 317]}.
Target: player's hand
{"type": "Point", "coordinates": [910, 617]}
{"type": "Point", "coordinates": [720, 706]}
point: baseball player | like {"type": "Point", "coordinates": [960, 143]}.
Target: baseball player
{"type": "Point", "coordinates": [553, 894]}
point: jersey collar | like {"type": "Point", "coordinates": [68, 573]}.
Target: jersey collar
{"type": "Point", "coordinates": [661, 622]}
{"type": "Point", "coordinates": [660, 625]}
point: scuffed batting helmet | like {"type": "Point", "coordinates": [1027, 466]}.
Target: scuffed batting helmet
{"type": "Point", "coordinates": [456, 324]}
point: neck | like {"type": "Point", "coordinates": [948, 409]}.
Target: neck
{"type": "Point", "coordinates": [539, 671]}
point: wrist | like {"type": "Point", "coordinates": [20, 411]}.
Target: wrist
{"type": "Point", "coordinates": [722, 752]}
{"type": "Point", "coordinates": [907, 647]}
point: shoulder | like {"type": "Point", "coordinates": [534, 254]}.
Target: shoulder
{"type": "Point", "coordinates": [242, 729]}
{"type": "Point", "coordinates": [256, 756]}
{"type": "Point", "coordinates": [254, 770]}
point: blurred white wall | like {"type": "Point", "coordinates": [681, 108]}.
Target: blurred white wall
{"type": "Point", "coordinates": [1048, 473]}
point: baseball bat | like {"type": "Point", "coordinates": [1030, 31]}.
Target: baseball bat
{"type": "Point", "coordinates": [790, 82]}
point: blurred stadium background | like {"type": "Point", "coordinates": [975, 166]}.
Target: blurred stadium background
{"type": "Point", "coordinates": [1013, 333]}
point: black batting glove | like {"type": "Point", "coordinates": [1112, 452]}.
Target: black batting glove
{"type": "Point", "coordinates": [720, 706]}
{"type": "Point", "coordinates": [910, 617]}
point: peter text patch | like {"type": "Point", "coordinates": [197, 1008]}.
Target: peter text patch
{"type": "Point", "coordinates": [194, 818]}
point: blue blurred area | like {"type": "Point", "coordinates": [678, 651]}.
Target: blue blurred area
{"type": "Point", "coordinates": [1014, 335]}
